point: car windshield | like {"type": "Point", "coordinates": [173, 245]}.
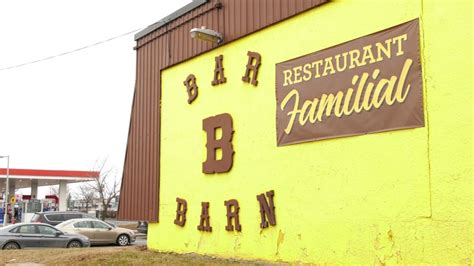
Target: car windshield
{"type": "Point", "coordinates": [36, 218]}
{"type": "Point", "coordinates": [62, 224]}
{"type": "Point", "coordinates": [111, 224]}
{"type": "Point", "coordinates": [8, 227]}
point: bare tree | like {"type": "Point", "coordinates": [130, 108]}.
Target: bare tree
{"type": "Point", "coordinates": [69, 201]}
{"type": "Point", "coordinates": [107, 186]}
{"type": "Point", "coordinates": [54, 190]}
{"type": "Point", "coordinates": [86, 194]}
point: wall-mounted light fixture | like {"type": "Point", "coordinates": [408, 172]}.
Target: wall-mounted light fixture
{"type": "Point", "coordinates": [206, 35]}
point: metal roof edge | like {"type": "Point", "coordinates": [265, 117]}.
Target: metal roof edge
{"type": "Point", "coordinates": [185, 9]}
{"type": "Point", "coordinates": [50, 173]}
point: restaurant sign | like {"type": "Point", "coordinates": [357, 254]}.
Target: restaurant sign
{"type": "Point", "coordinates": [370, 84]}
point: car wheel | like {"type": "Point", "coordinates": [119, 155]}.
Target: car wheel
{"type": "Point", "coordinates": [74, 244]}
{"type": "Point", "coordinates": [123, 240]}
{"type": "Point", "coordinates": [11, 245]}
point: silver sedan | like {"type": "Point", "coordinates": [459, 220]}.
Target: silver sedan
{"type": "Point", "coordinates": [98, 231]}
{"type": "Point", "coordinates": [37, 235]}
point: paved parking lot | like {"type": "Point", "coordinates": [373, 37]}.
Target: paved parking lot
{"type": "Point", "coordinates": [141, 241]}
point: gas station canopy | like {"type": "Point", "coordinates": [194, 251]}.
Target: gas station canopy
{"type": "Point", "coordinates": [23, 177]}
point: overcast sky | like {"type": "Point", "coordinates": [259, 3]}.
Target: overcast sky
{"type": "Point", "coordinates": [68, 112]}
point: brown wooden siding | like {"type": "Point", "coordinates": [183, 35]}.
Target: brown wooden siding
{"type": "Point", "coordinates": [168, 45]}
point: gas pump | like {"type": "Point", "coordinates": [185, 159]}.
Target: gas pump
{"type": "Point", "coordinates": [11, 209]}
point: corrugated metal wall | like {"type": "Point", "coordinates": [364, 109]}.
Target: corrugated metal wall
{"type": "Point", "coordinates": [164, 47]}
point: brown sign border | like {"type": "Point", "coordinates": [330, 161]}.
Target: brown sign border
{"type": "Point", "coordinates": [416, 107]}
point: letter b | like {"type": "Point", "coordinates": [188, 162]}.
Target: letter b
{"type": "Point", "coordinates": [210, 124]}
{"type": "Point", "coordinates": [191, 88]}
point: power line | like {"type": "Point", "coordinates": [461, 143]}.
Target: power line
{"type": "Point", "coordinates": [71, 51]}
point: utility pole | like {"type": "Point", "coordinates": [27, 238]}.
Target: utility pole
{"type": "Point", "coordinates": [7, 186]}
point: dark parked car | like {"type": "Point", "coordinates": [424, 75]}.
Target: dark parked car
{"type": "Point", "coordinates": [142, 227]}
{"type": "Point", "coordinates": [37, 235]}
{"type": "Point", "coordinates": [55, 218]}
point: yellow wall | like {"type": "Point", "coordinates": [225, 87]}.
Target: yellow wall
{"type": "Point", "coordinates": [402, 196]}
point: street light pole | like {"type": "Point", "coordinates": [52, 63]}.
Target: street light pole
{"type": "Point", "coordinates": [7, 186]}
